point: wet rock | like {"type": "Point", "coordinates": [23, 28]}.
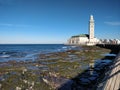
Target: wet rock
{"type": "Point", "coordinates": [0, 85]}
{"type": "Point", "coordinates": [18, 88]}
{"type": "Point", "coordinates": [84, 81]}
{"type": "Point", "coordinates": [66, 86]}
{"type": "Point", "coordinates": [54, 82]}
{"type": "Point", "coordinates": [24, 70]}
{"type": "Point", "coordinates": [93, 78]}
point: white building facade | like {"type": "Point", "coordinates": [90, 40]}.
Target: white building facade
{"type": "Point", "coordinates": [85, 39]}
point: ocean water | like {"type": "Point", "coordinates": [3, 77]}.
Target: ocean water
{"type": "Point", "coordinates": [25, 52]}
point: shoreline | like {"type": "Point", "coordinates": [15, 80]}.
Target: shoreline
{"type": "Point", "coordinates": [109, 75]}
{"type": "Point", "coordinates": [65, 67]}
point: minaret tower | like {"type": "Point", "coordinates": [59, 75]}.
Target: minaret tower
{"type": "Point", "coordinates": [91, 29]}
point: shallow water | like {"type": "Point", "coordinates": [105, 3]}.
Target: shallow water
{"type": "Point", "coordinates": [23, 52]}
{"type": "Point", "coordinates": [56, 68]}
{"type": "Point", "coordinates": [109, 54]}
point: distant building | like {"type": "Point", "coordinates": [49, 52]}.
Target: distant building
{"type": "Point", "coordinates": [85, 39]}
{"type": "Point", "coordinates": [109, 41]}
{"type": "Point", "coordinates": [117, 41]}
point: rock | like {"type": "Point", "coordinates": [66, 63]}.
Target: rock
{"type": "Point", "coordinates": [53, 74]}
{"type": "Point", "coordinates": [0, 85]}
{"type": "Point", "coordinates": [25, 81]}
{"type": "Point", "coordinates": [45, 80]}
{"type": "Point", "coordinates": [55, 82]}
{"type": "Point", "coordinates": [24, 70]}
{"type": "Point", "coordinates": [93, 78]}
{"type": "Point", "coordinates": [66, 86]}
{"type": "Point", "coordinates": [37, 65]}
{"type": "Point", "coordinates": [32, 83]}
{"type": "Point", "coordinates": [84, 81]}
{"type": "Point", "coordinates": [18, 88]}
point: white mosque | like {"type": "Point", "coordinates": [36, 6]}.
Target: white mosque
{"type": "Point", "coordinates": [85, 39]}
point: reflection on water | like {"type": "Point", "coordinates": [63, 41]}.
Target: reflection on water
{"type": "Point", "coordinates": [91, 63]}
{"type": "Point", "coordinates": [109, 54]}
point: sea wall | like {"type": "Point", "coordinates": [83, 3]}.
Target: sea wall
{"type": "Point", "coordinates": [115, 48]}
{"type": "Point", "coordinates": [111, 81]}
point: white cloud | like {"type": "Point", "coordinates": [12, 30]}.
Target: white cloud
{"type": "Point", "coordinates": [13, 25]}
{"type": "Point", "coordinates": [108, 17]}
{"type": "Point", "coordinates": [3, 24]}
{"type": "Point", "coordinates": [113, 23]}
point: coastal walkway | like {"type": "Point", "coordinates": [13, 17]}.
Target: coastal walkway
{"type": "Point", "coordinates": [112, 77]}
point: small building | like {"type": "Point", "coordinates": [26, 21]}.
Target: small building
{"type": "Point", "coordinates": [79, 39]}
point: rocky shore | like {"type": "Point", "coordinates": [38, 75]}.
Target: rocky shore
{"type": "Point", "coordinates": [78, 69]}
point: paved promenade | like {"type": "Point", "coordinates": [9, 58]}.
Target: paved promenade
{"type": "Point", "coordinates": [112, 77]}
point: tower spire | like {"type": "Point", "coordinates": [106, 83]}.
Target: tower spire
{"type": "Point", "coordinates": [91, 28]}
{"type": "Point", "coordinates": [91, 17]}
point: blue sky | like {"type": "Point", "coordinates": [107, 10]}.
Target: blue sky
{"type": "Point", "coordinates": [55, 21]}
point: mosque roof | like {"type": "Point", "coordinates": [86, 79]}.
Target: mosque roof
{"type": "Point", "coordinates": [81, 35]}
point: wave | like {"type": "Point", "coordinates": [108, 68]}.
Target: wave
{"type": "Point", "coordinates": [4, 56]}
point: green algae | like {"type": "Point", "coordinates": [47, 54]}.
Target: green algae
{"type": "Point", "coordinates": [62, 64]}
